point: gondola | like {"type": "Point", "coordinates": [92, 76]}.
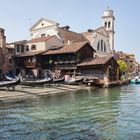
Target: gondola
{"type": "Point", "coordinates": [34, 83]}
{"type": "Point", "coordinates": [8, 78]}
{"type": "Point", "coordinates": [11, 83]}
{"type": "Point", "coordinates": [75, 81]}
{"type": "Point", "coordinates": [59, 81]}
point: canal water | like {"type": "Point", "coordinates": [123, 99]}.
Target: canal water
{"type": "Point", "coordinates": [96, 114]}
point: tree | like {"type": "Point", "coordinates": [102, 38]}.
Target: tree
{"type": "Point", "coordinates": [122, 67]}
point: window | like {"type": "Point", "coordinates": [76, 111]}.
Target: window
{"type": "Point", "coordinates": [18, 48]}
{"type": "Point", "coordinates": [109, 24]}
{"type": "Point", "coordinates": [33, 47]}
{"type": "Point", "coordinates": [105, 24]}
{"type": "Point", "coordinates": [27, 48]}
{"type": "Point", "coordinates": [42, 24]}
{"type": "Point", "coordinates": [101, 45]}
{"type": "Point", "coordinates": [22, 48]}
{"type": "Point", "coordinates": [104, 47]}
{"type": "Point", "coordinates": [43, 35]}
{"type": "Point", "coordinates": [98, 46]}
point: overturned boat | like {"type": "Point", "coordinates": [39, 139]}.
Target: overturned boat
{"type": "Point", "coordinates": [41, 82]}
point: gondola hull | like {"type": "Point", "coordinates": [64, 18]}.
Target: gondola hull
{"type": "Point", "coordinates": [74, 81]}
{"type": "Point", "coordinates": [58, 81]}
{"type": "Point", "coordinates": [10, 83]}
{"type": "Point", "coordinates": [37, 82]}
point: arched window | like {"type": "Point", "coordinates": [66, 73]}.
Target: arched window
{"type": "Point", "coordinates": [101, 45]}
{"type": "Point", "coordinates": [104, 47]}
{"type": "Point", "coordinates": [105, 24]}
{"type": "Point", "coordinates": [33, 47]}
{"type": "Point", "coordinates": [109, 24]}
{"type": "Point", "coordinates": [27, 48]}
{"type": "Point", "coordinates": [98, 46]}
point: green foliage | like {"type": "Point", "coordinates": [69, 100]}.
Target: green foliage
{"type": "Point", "coordinates": [122, 65]}
{"type": "Point", "coordinates": [78, 56]}
{"type": "Point", "coordinates": [50, 61]}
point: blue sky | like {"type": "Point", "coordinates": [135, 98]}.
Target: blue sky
{"type": "Point", "coordinates": [17, 16]}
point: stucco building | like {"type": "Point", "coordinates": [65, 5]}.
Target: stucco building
{"type": "Point", "coordinates": [45, 28]}
{"type": "Point", "coordinates": [102, 38]}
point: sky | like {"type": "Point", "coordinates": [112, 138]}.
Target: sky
{"type": "Point", "coordinates": [17, 16]}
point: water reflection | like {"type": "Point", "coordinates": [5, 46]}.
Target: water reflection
{"type": "Point", "coordinates": [96, 114]}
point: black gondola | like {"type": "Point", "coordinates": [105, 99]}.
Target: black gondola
{"type": "Point", "coordinates": [11, 83]}
{"type": "Point", "coordinates": [59, 81]}
{"type": "Point", "coordinates": [37, 82]}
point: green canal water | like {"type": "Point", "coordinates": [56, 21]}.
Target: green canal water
{"type": "Point", "coordinates": [96, 114]}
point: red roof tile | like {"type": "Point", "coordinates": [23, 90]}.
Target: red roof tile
{"type": "Point", "coordinates": [74, 47]}
{"type": "Point", "coordinates": [29, 53]}
{"type": "Point", "coordinates": [95, 61]}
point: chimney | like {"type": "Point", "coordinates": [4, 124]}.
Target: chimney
{"type": "Point", "coordinates": [69, 42]}
{"type": "Point", "coordinates": [66, 27]}
{"type": "Point", "coordinates": [90, 30]}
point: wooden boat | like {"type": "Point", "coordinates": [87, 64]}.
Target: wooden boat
{"type": "Point", "coordinates": [58, 81]}
{"type": "Point", "coordinates": [135, 80]}
{"type": "Point", "coordinates": [132, 81]}
{"type": "Point", "coordinates": [8, 78]}
{"type": "Point", "coordinates": [37, 82]}
{"type": "Point", "coordinates": [11, 83]}
{"type": "Point", "coordinates": [75, 80]}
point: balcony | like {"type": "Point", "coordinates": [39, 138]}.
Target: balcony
{"type": "Point", "coordinates": [30, 64]}
{"type": "Point", "coordinates": [66, 62]}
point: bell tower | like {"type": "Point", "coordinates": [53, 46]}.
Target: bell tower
{"type": "Point", "coordinates": [108, 23]}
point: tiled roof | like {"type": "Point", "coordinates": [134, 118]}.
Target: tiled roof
{"type": "Point", "coordinates": [95, 61]}
{"type": "Point", "coordinates": [67, 48]}
{"type": "Point", "coordinates": [18, 42]}
{"type": "Point", "coordinates": [87, 33]}
{"type": "Point", "coordinates": [29, 53]}
{"type": "Point", "coordinates": [40, 39]}
{"type": "Point", "coordinates": [70, 35]}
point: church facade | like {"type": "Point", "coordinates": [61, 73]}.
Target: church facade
{"type": "Point", "coordinates": [102, 38]}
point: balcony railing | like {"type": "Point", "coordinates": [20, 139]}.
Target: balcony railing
{"type": "Point", "coordinates": [66, 62]}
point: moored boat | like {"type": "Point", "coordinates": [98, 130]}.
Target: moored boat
{"type": "Point", "coordinates": [8, 78]}
{"type": "Point", "coordinates": [135, 80]}
{"type": "Point", "coordinates": [41, 82]}
{"type": "Point", "coordinates": [11, 83]}
{"type": "Point", "coordinates": [58, 81]}
{"type": "Point", "coordinates": [132, 81]}
{"type": "Point", "coordinates": [76, 80]}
